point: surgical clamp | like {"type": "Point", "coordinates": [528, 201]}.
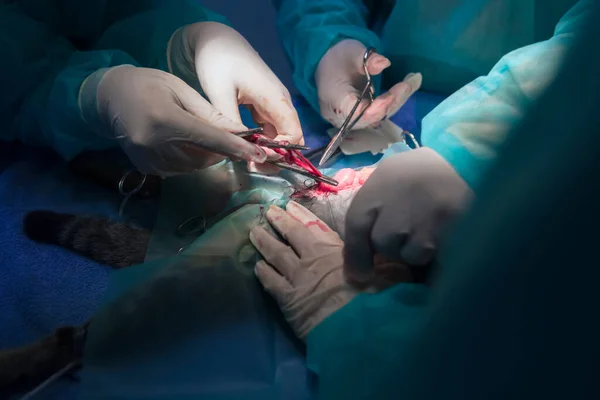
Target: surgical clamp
{"type": "Point", "coordinates": [286, 146]}
{"type": "Point", "coordinates": [368, 93]}
{"type": "Point", "coordinates": [268, 143]}
{"type": "Point", "coordinates": [323, 178]}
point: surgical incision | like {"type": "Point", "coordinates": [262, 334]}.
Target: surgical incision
{"type": "Point", "coordinates": [330, 203]}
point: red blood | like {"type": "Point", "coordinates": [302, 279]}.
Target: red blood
{"type": "Point", "coordinates": [347, 178]}
{"type": "Point", "coordinates": [320, 224]}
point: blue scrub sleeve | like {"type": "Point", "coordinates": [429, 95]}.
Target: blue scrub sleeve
{"type": "Point", "coordinates": [43, 70]}
{"type": "Point", "coordinates": [41, 75]}
{"type": "Point", "coordinates": [511, 313]}
{"type": "Point", "coordinates": [308, 28]}
{"type": "Point", "coordinates": [348, 349]}
{"type": "Point", "coordinates": [146, 34]}
{"type": "Point", "coordinates": [469, 127]}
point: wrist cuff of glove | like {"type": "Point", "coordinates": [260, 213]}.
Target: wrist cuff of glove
{"type": "Point", "coordinates": [88, 101]}
{"type": "Point", "coordinates": [436, 161]}
{"type": "Point", "coordinates": [180, 58]}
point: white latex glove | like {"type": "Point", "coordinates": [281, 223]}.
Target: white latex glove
{"type": "Point", "coordinates": [340, 80]}
{"type": "Point", "coordinates": [305, 278]}
{"type": "Point", "coordinates": [400, 211]}
{"type": "Point", "coordinates": [162, 124]}
{"type": "Point", "coordinates": [231, 73]}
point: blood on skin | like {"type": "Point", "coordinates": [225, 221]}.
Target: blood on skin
{"type": "Point", "coordinates": [348, 179]}
{"type": "Point", "coordinates": [320, 224]}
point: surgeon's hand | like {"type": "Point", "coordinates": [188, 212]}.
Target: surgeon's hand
{"type": "Point", "coordinates": [340, 80]}
{"type": "Point", "coordinates": [305, 278]}
{"type": "Point", "coordinates": [162, 124]}
{"type": "Point", "coordinates": [231, 73]}
{"type": "Point", "coordinates": [400, 212]}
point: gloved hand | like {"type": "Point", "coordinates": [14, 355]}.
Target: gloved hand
{"type": "Point", "coordinates": [162, 124]}
{"type": "Point", "coordinates": [231, 72]}
{"type": "Point", "coordinates": [400, 211]}
{"type": "Point", "coordinates": [305, 278]}
{"type": "Point", "coordinates": [340, 80]}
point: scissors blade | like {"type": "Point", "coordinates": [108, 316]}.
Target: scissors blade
{"type": "Point", "coordinates": [332, 147]}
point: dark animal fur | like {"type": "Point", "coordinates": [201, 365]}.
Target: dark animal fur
{"type": "Point", "coordinates": [108, 242]}
{"type": "Point", "coordinates": [25, 367]}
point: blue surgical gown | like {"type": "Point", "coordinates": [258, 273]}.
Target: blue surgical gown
{"type": "Point", "coordinates": [512, 312]}
{"type": "Point", "coordinates": [49, 47]}
{"type": "Point", "coordinates": [493, 58]}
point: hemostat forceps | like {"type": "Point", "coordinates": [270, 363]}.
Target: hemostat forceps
{"type": "Point", "coordinates": [290, 152]}
{"type": "Point", "coordinates": [367, 93]}
{"type": "Point", "coordinates": [268, 143]}
{"type": "Point", "coordinates": [322, 178]}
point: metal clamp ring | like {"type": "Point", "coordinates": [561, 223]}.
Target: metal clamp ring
{"type": "Point", "coordinates": [181, 229]}
{"type": "Point", "coordinates": [412, 138]}
{"type": "Point", "coordinates": [136, 189]}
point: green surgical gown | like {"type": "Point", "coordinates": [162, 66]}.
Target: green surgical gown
{"type": "Point", "coordinates": [511, 313]}
{"type": "Point", "coordinates": [493, 58]}
{"type": "Point", "coordinates": [49, 47]}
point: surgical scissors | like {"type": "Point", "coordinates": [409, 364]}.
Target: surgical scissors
{"type": "Point", "coordinates": [368, 93]}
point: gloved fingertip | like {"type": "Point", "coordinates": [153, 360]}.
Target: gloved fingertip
{"type": "Point", "coordinates": [263, 272]}
{"type": "Point", "coordinates": [292, 136]}
{"type": "Point", "coordinates": [260, 269]}
{"type": "Point", "coordinates": [255, 154]}
{"type": "Point", "coordinates": [274, 212]}
{"type": "Point", "coordinates": [271, 155]}
{"type": "Point", "coordinates": [275, 208]}
{"type": "Point", "coordinates": [255, 235]}
{"type": "Point", "coordinates": [252, 235]}
{"type": "Point", "coordinates": [252, 167]}
{"type": "Point", "coordinates": [415, 80]}
{"type": "Point", "coordinates": [377, 63]}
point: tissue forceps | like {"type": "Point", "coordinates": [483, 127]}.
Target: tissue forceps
{"type": "Point", "coordinates": [301, 171]}
{"type": "Point", "coordinates": [268, 143]}
{"type": "Point", "coordinates": [368, 93]}
{"type": "Point", "coordinates": [286, 146]}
